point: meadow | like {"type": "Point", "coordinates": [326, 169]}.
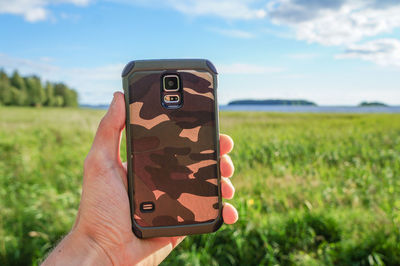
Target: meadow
{"type": "Point", "coordinates": [311, 189]}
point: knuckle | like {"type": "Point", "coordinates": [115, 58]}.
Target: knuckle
{"type": "Point", "coordinates": [94, 163]}
{"type": "Point", "coordinates": [97, 164]}
{"type": "Point", "coordinates": [103, 122]}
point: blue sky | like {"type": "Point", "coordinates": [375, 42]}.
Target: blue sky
{"type": "Point", "coordinates": [331, 52]}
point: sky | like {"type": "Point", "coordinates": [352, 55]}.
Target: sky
{"type": "Point", "coordinates": [332, 52]}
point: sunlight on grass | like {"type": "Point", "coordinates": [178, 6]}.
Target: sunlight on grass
{"type": "Point", "coordinates": [311, 189]}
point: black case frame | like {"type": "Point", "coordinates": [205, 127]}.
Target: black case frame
{"type": "Point", "coordinates": [168, 65]}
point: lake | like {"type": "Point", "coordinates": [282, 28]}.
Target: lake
{"type": "Point", "coordinates": [295, 109]}
{"type": "Point", "coordinates": [311, 109]}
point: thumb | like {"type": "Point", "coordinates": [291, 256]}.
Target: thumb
{"type": "Point", "coordinates": [108, 135]}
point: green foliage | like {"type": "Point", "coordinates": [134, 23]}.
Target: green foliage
{"type": "Point", "coordinates": [17, 81]}
{"type": "Point", "coordinates": [69, 96]}
{"type": "Point", "coordinates": [35, 92]}
{"type": "Point", "coordinates": [311, 189]}
{"type": "Point", "coordinates": [50, 96]}
{"type": "Point", "coordinates": [41, 158]}
{"type": "Point", "coordinates": [5, 92]}
{"type": "Point", "coordinates": [18, 97]}
{"type": "Point", "coordinates": [29, 91]}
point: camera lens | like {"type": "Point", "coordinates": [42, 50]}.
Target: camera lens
{"type": "Point", "coordinates": [171, 83]}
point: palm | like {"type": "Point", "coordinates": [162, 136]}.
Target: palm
{"type": "Point", "coordinates": [104, 212]}
{"type": "Point", "coordinates": [105, 205]}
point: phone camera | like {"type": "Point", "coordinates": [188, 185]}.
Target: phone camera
{"type": "Point", "coordinates": [171, 83]}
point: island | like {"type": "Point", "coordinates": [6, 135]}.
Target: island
{"type": "Point", "coordinates": [272, 102]}
{"type": "Point", "coordinates": [372, 104]}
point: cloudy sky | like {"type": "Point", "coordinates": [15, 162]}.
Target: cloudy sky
{"type": "Point", "coordinates": [331, 52]}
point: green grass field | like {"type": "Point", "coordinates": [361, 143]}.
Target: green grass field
{"type": "Point", "coordinates": [311, 189]}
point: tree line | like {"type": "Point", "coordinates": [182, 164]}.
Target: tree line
{"type": "Point", "coordinates": [30, 91]}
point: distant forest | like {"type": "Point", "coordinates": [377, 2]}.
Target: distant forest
{"type": "Point", "coordinates": [30, 91]}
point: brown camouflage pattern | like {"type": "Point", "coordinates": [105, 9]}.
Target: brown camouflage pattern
{"type": "Point", "coordinates": [174, 160]}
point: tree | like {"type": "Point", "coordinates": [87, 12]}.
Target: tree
{"type": "Point", "coordinates": [29, 91]}
{"type": "Point", "coordinates": [17, 97]}
{"type": "Point", "coordinates": [70, 97]}
{"type": "Point", "coordinates": [18, 82]}
{"type": "Point", "coordinates": [5, 91]}
{"type": "Point", "coordinates": [58, 101]}
{"type": "Point", "coordinates": [35, 92]}
{"type": "Point", "coordinates": [50, 97]}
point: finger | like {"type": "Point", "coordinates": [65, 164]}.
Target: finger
{"type": "Point", "coordinates": [225, 144]}
{"type": "Point", "coordinates": [229, 214]}
{"type": "Point", "coordinates": [227, 189]}
{"type": "Point", "coordinates": [125, 176]}
{"type": "Point", "coordinates": [108, 135]}
{"type": "Point", "coordinates": [226, 166]}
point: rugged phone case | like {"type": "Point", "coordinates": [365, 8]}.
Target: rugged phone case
{"type": "Point", "coordinates": [173, 154]}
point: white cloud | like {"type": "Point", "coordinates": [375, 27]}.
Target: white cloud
{"type": "Point", "coordinates": [231, 9]}
{"type": "Point", "coordinates": [339, 22]}
{"type": "Point", "coordinates": [234, 33]}
{"type": "Point", "coordinates": [95, 85]}
{"type": "Point", "coordinates": [302, 56]}
{"type": "Point", "coordinates": [344, 23]}
{"type": "Point", "coordinates": [34, 10]}
{"type": "Point", "coordinates": [384, 52]}
{"type": "Point", "coordinates": [336, 22]}
{"type": "Point", "coordinates": [240, 68]}
{"type": "Point", "coordinates": [26, 65]}
{"type": "Point", "coordinates": [228, 9]}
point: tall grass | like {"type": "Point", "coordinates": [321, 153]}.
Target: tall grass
{"type": "Point", "coordinates": [311, 189]}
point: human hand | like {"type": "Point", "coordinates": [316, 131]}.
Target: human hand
{"type": "Point", "coordinates": [102, 233]}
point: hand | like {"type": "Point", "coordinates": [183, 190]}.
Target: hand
{"type": "Point", "coordinates": [102, 233]}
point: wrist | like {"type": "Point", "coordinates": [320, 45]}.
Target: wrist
{"type": "Point", "coordinates": [77, 248]}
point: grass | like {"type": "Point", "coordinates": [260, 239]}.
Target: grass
{"type": "Point", "coordinates": [311, 189]}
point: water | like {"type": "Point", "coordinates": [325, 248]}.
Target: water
{"type": "Point", "coordinates": [312, 109]}
{"type": "Point", "coordinates": [296, 109]}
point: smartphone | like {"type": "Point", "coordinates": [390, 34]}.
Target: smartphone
{"type": "Point", "coordinates": [172, 137]}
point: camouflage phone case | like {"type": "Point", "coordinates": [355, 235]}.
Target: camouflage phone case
{"type": "Point", "coordinates": [173, 154]}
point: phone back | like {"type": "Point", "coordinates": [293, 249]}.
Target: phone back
{"type": "Point", "coordinates": [173, 153]}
